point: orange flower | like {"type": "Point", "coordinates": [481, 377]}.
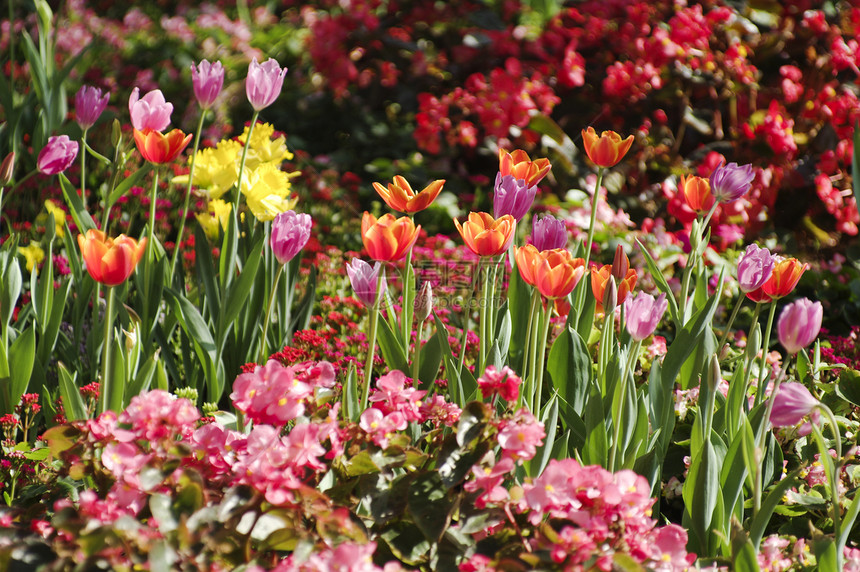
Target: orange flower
{"type": "Point", "coordinates": [485, 235]}
{"type": "Point", "coordinates": [526, 257]}
{"type": "Point", "coordinates": [400, 196]}
{"type": "Point", "coordinates": [110, 261]}
{"type": "Point", "coordinates": [697, 192]}
{"type": "Point", "coordinates": [388, 239]}
{"type": "Point", "coordinates": [156, 147]}
{"type": "Point", "coordinates": [557, 273]}
{"type": "Point", "coordinates": [599, 278]}
{"type": "Point", "coordinates": [520, 166]}
{"type": "Point", "coordinates": [607, 149]}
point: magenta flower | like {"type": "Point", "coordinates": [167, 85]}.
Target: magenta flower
{"type": "Point", "coordinates": [264, 82]}
{"type": "Point", "coordinates": [363, 278]}
{"type": "Point", "coordinates": [503, 382]}
{"type": "Point", "coordinates": [520, 437]}
{"type": "Point", "coordinates": [791, 404]}
{"type": "Point", "coordinates": [799, 324]}
{"type": "Point", "coordinates": [57, 155]}
{"type": "Point", "coordinates": [290, 233]}
{"type": "Point", "coordinates": [548, 233]}
{"type": "Point", "coordinates": [207, 79]}
{"type": "Point", "coordinates": [512, 196]}
{"type": "Point", "coordinates": [755, 266]}
{"type": "Point", "coordinates": [731, 182]}
{"type": "Point", "coordinates": [89, 105]}
{"type": "Point", "coordinates": [643, 314]}
{"type": "Point", "coordinates": [149, 112]}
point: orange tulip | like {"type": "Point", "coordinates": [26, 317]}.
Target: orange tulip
{"type": "Point", "coordinates": [520, 166]}
{"type": "Point", "coordinates": [607, 149]}
{"type": "Point", "coordinates": [388, 239]}
{"type": "Point", "coordinates": [785, 276]}
{"type": "Point", "coordinates": [400, 196]}
{"type": "Point", "coordinates": [526, 257]}
{"type": "Point", "coordinates": [485, 235]}
{"type": "Point", "coordinates": [697, 192]}
{"type": "Point", "coordinates": [110, 261]}
{"type": "Point", "coordinates": [157, 147]}
{"type": "Point", "coordinates": [557, 273]}
{"type": "Point", "coordinates": [599, 278]}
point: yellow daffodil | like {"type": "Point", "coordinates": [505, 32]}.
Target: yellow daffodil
{"type": "Point", "coordinates": [59, 217]}
{"type": "Point", "coordinates": [218, 213]}
{"type": "Point", "coordinates": [33, 253]}
{"type": "Point", "coordinates": [263, 148]}
{"type": "Point", "coordinates": [216, 168]}
{"type": "Point", "coordinates": [267, 191]}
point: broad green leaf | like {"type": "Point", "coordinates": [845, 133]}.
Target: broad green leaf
{"type": "Point", "coordinates": [22, 354]}
{"type": "Point", "coordinates": [770, 502]}
{"type": "Point", "coordinates": [662, 284]}
{"type": "Point", "coordinates": [115, 386]}
{"type": "Point", "coordinates": [73, 403]}
{"type": "Point", "coordinates": [596, 449]}
{"type": "Point", "coordinates": [431, 358]}
{"type": "Point", "coordinates": [127, 184]}
{"type": "Point", "coordinates": [303, 312]}
{"type": "Point", "coordinates": [549, 418]}
{"type": "Point", "coordinates": [391, 347]}
{"type": "Point", "coordinates": [429, 505]}
{"type": "Point", "coordinates": [569, 365]}
{"type": "Point", "coordinates": [76, 206]}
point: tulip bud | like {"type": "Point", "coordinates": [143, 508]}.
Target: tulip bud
{"type": "Point", "coordinates": [130, 337]}
{"type": "Point", "coordinates": [610, 295]}
{"type": "Point", "coordinates": [116, 133]}
{"type": "Point", "coordinates": [715, 374]}
{"type": "Point", "coordinates": [423, 303]}
{"type": "Point", "coordinates": [6, 169]}
{"type": "Point", "coordinates": [753, 343]}
{"type": "Point", "coordinates": [620, 264]}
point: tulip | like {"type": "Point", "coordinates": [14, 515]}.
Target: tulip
{"type": "Point", "coordinates": [791, 403]}
{"type": "Point", "coordinates": [157, 147]}
{"type": "Point", "coordinates": [548, 233]}
{"type": "Point", "coordinates": [556, 273]}
{"type": "Point", "coordinates": [600, 278]}
{"type": "Point", "coordinates": [520, 166]}
{"type": "Point", "coordinates": [799, 324]}
{"type": "Point", "coordinates": [149, 112]}
{"type": "Point", "coordinates": [207, 80]}
{"type": "Point", "coordinates": [57, 155]}
{"type": "Point", "coordinates": [388, 239]}
{"type": "Point", "coordinates": [784, 277]}
{"type": "Point", "coordinates": [400, 196]}
{"type": "Point", "coordinates": [731, 182]}
{"type": "Point", "coordinates": [620, 264]}
{"type": "Point", "coordinates": [423, 303]}
{"type": "Point", "coordinates": [643, 314]}
{"type": "Point", "coordinates": [755, 266]}
{"type": "Point", "coordinates": [485, 235]}
{"type": "Point", "coordinates": [607, 149]}
{"type": "Point", "coordinates": [512, 197]}
{"type": "Point", "coordinates": [264, 82]}
{"type": "Point", "coordinates": [527, 256]}
{"type": "Point", "coordinates": [290, 233]}
{"type": "Point", "coordinates": [110, 261]}
{"type": "Point", "coordinates": [89, 105]}
{"type": "Point", "coordinates": [364, 279]}
{"type": "Point", "coordinates": [697, 193]}
{"type": "Point", "coordinates": [7, 169]}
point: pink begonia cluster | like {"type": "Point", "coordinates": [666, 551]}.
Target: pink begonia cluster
{"type": "Point", "coordinates": [778, 554]}
{"type": "Point", "coordinates": [347, 557]}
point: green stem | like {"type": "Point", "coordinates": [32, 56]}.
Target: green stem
{"type": "Point", "coordinates": [408, 301]}
{"type": "Point", "coordinates": [463, 334]}
{"type": "Point", "coordinates": [622, 395]}
{"type": "Point", "coordinates": [483, 312]}
{"type": "Point", "coordinates": [734, 315]}
{"type": "Point", "coordinates": [242, 162]}
{"type": "Point", "coordinates": [833, 482]}
{"type": "Point", "coordinates": [84, 167]}
{"type": "Point", "coordinates": [537, 313]}
{"type": "Point", "coordinates": [374, 319]}
{"type": "Point", "coordinates": [593, 215]}
{"type": "Point", "coordinates": [541, 355]}
{"type": "Point", "coordinates": [765, 346]}
{"type": "Point", "coordinates": [150, 239]}
{"type": "Point", "coordinates": [21, 182]}
{"type": "Point", "coordinates": [762, 435]}
{"type": "Point", "coordinates": [187, 195]}
{"type": "Point", "coordinates": [268, 317]}
{"type": "Point", "coordinates": [416, 357]}
{"type": "Point", "coordinates": [527, 350]}
{"type": "Point", "coordinates": [107, 381]}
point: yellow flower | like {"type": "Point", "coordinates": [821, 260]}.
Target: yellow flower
{"type": "Point", "coordinates": [219, 212]}
{"type": "Point", "coordinates": [33, 253]}
{"type": "Point", "coordinates": [263, 148]}
{"type": "Point", "coordinates": [216, 168]}
{"type": "Point", "coordinates": [267, 191]}
{"type": "Point", "coordinates": [59, 216]}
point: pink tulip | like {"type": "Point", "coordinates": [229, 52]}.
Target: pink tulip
{"type": "Point", "coordinates": [290, 233]}
{"type": "Point", "coordinates": [207, 79]}
{"type": "Point", "coordinates": [643, 314]}
{"type": "Point", "coordinates": [264, 82]}
{"type": "Point", "coordinates": [791, 404]}
{"type": "Point", "coordinates": [799, 324]}
{"type": "Point", "coordinates": [364, 278]}
{"type": "Point", "coordinates": [755, 266]}
{"type": "Point", "coordinates": [89, 105]}
{"type": "Point", "coordinates": [149, 112]}
{"type": "Point", "coordinates": [57, 155]}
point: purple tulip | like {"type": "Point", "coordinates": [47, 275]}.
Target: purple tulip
{"type": "Point", "coordinates": [149, 112]}
{"type": "Point", "coordinates": [755, 266]}
{"type": "Point", "coordinates": [512, 196]}
{"type": "Point", "coordinates": [290, 233]}
{"type": "Point", "coordinates": [89, 105]}
{"type": "Point", "coordinates": [731, 182]}
{"type": "Point", "coordinates": [791, 403]}
{"type": "Point", "coordinates": [799, 324]}
{"type": "Point", "coordinates": [643, 314]}
{"type": "Point", "coordinates": [207, 79]}
{"type": "Point", "coordinates": [264, 82]}
{"type": "Point", "coordinates": [364, 278]}
{"type": "Point", "coordinates": [548, 233]}
{"type": "Point", "coordinates": [57, 155]}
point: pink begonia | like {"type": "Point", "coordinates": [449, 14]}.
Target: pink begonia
{"type": "Point", "coordinates": [439, 412]}
{"type": "Point", "coordinates": [381, 426]}
{"type": "Point", "coordinates": [852, 559]}
{"type": "Point", "coordinates": [670, 543]}
{"type": "Point", "coordinates": [346, 557]}
{"type": "Point", "coordinates": [303, 446]}
{"type": "Point", "coordinates": [265, 465]}
{"type": "Point", "coordinates": [216, 447]}
{"type": "Point", "coordinates": [149, 112]}
{"type": "Point", "coordinates": [270, 394]}
{"type": "Point", "coordinates": [477, 563]}
{"type": "Point", "coordinates": [124, 461]}
{"type": "Point", "coordinates": [489, 481]}
{"type": "Point", "coordinates": [392, 395]}
{"type": "Point", "coordinates": [504, 383]}
{"type": "Point", "coordinates": [316, 374]}
{"type": "Point", "coordinates": [772, 557]}
{"type": "Point", "coordinates": [158, 415]}
{"type": "Point", "coordinates": [519, 437]}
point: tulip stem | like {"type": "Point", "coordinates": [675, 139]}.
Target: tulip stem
{"type": "Point", "coordinates": [184, 217]}
{"type": "Point", "coordinates": [620, 397]}
{"type": "Point", "coordinates": [832, 479]}
{"type": "Point", "coordinates": [416, 357]}
{"type": "Point", "coordinates": [527, 350]}
{"type": "Point", "coordinates": [107, 382]}
{"type": "Point", "coordinates": [765, 345]}
{"type": "Point", "coordinates": [242, 162]}
{"type": "Point", "coordinates": [728, 328]}
{"type": "Point", "coordinates": [408, 300]}
{"type": "Point", "coordinates": [762, 435]}
{"type": "Point", "coordinates": [374, 319]}
{"type": "Point", "coordinates": [482, 357]}
{"type": "Point", "coordinates": [150, 240]}
{"type": "Point", "coordinates": [546, 324]}
{"type": "Point", "coordinates": [84, 166]}
{"type": "Point", "coordinates": [268, 317]}
{"type": "Point", "coordinates": [593, 219]}
{"type": "Point", "coordinates": [21, 182]}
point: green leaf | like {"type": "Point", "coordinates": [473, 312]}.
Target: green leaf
{"type": "Point", "coordinates": [350, 394]}
{"type": "Point", "coordinates": [73, 403]}
{"type": "Point", "coordinates": [210, 293]}
{"type": "Point", "coordinates": [127, 184]}
{"type": "Point", "coordinates": [21, 358]}
{"type": "Point", "coordinates": [76, 206]}
{"type": "Point", "coordinates": [549, 418]}
{"type": "Point", "coordinates": [662, 284]}
{"type": "Point", "coordinates": [391, 347]}
{"type": "Point", "coordinates": [848, 387]}
{"type": "Point", "coordinates": [700, 493]}
{"type": "Point", "coordinates": [431, 359]}
{"type": "Point", "coordinates": [143, 380]}
{"type": "Point", "coordinates": [116, 388]}
{"type": "Point", "coordinates": [569, 365]}
{"type": "Point", "coordinates": [303, 312]}
{"type": "Point", "coordinates": [770, 502]}
{"type": "Point", "coordinates": [429, 505]}
{"type": "Point", "coordinates": [48, 339]}
{"type": "Point", "coordinates": [596, 451]}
